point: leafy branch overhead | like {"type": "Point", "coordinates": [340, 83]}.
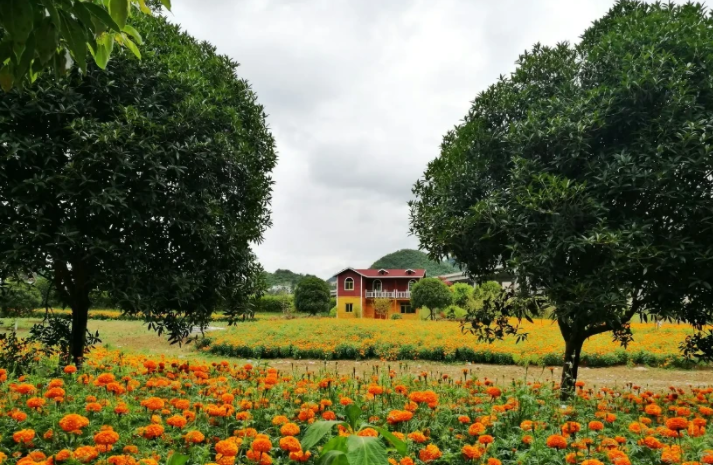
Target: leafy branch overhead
{"type": "Point", "coordinates": [37, 35]}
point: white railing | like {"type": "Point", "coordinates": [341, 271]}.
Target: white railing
{"type": "Point", "coordinates": [388, 295]}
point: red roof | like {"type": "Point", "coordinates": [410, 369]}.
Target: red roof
{"type": "Point", "coordinates": [390, 273]}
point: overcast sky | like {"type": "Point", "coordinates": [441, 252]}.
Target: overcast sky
{"type": "Point", "coordinates": [359, 95]}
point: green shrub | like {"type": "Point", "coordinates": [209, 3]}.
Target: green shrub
{"type": "Point", "coordinates": [274, 303]}
{"type": "Point", "coordinates": [18, 298]}
{"type": "Point", "coordinates": [396, 316]}
{"type": "Point", "coordinates": [333, 312]}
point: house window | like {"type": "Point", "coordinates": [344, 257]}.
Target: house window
{"type": "Point", "coordinates": [377, 286]}
{"type": "Point", "coordinates": [349, 284]}
{"type": "Point", "coordinates": [411, 283]}
{"type": "Point", "coordinates": [349, 308]}
{"type": "Point", "coordinates": [406, 308]}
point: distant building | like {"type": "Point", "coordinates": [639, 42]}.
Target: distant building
{"type": "Point", "coordinates": [504, 279]}
{"type": "Point", "coordinates": [357, 289]}
{"type": "Point", "coordinates": [280, 289]}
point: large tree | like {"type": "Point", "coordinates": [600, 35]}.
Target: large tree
{"type": "Point", "coordinates": [431, 293]}
{"type": "Point", "coordinates": [149, 180]}
{"type": "Point", "coordinates": [588, 172]}
{"type": "Point", "coordinates": [312, 295]}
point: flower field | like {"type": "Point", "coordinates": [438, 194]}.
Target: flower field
{"type": "Point", "coordinates": [327, 338]}
{"type": "Point", "coordinates": [127, 410]}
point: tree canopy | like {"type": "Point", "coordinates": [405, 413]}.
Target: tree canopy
{"type": "Point", "coordinates": [587, 173]}
{"type": "Point", "coordinates": [431, 293]}
{"type": "Point", "coordinates": [40, 34]}
{"type": "Point", "coordinates": [149, 180]}
{"type": "Point", "coordinates": [312, 296]}
{"type": "Point", "coordinates": [414, 259]}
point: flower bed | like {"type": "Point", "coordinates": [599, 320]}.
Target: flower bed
{"type": "Point", "coordinates": [327, 338]}
{"type": "Point", "coordinates": [132, 410]}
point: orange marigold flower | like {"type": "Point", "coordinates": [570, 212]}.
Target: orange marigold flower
{"type": "Point", "coordinates": [472, 452]}
{"type": "Point", "coordinates": [375, 389]}
{"type": "Point", "coordinates": [22, 388]}
{"type": "Point", "coordinates": [653, 410]}
{"type": "Point", "coordinates": [106, 437]}
{"type": "Point", "coordinates": [329, 415]}
{"type": "Point", "coordinates": [592, 462]}
{"type": "Point", "coordinates": [24, 436]}
{"type": "Point", "coordinates": [424, 397]}
{"type": "Point", "coordinates": [527, 439]}
{"type": "Point", "coordinates": [73, 422]}
{"type": "Point", "coordinates": [280, 420]}
{"type": "Point", "coordinates": [290, 444]}
{"type": "Point", "coordinates": [194, 437]}
{"type": "Point", "coordinates": [476, 429]}
{"type": "Point", "coordinates": [299, 456]}
{"type": "Point", "coordinates": [18, 415]}
{"type": "Point", "coordinates": [153, 403]}
{"type": "Point", "coordinates": [121, 409]}
{"type": "Point", "coordinates": [571, 427]}
{"type": "Point", "coordinates": [398, 416]}
{"type": "Point", "coordinates": [36, 402]}
{"type": "Point", "coordinates": [429, 453]}
{"type": "Point", "coordinates": [707, 456]}
{"type": "Point", "coordinates": [69, 369]}
{"type": "Point", "coordinates": [465, 419]}
{"type": "Point", "coordinates": [93, 407]}
{"type": "Point", "coordinates": [486, 439]}
{"type": "Point", "coordinates": [677, 423]}
{"type": "Point", "coordinates": [289, 429]}
{"type": "Point", "coordinates": [152, 431]}
{"type": "Point", "coordinates": [493, 461]}
{"type": "Point", "coordinates": [493, 392]}
{"type": "Point", "coordinates": [417, 437]}
{"type": "Point", "coordinates": [177, 421]}
{"type": "Point", "coordinates": [651, 442]}
{"type": "Point", "coordinates": [556, 441]}
{"type": "Point", "coordinates": [368, 432]}
{"type": "Point", "coordinates": [86, 454]}
{"type": "Point", "coordinates": [63, 455]}
{"type": "Point", "coordinates": [131, 449]}
{"type": "Point", "coordinates": [227, 448]}
{"type": "Point", "coordinates": [261, 443]}
{"type": "Point", "coordinates": [596, 425]}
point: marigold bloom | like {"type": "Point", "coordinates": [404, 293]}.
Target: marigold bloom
{"type": "Point", "coordinates": [398, 416]}
{"type": "Point", "coordinates": [368, 432]}
{"type": "Point", "coordinates": [571, 427]}
{"type": "Point", "coordinates": [417, 437]}
{"type": "Point", "coordinates": [63, 455]}
{"type": "Point", "coordinates": [329, 415]}
{"type": "Point", "coordinates": [177, 421]}
{"type": "Point", "coordinates": [486, 439]}
{"type": "Point", "coordinates": [121, 460]}
{"type": "Point", "coordinates": [596, 425]}
{"type": "Point", "coordinates": [93, 407]}
{"type": "Point", "coordinates": [289, 429]}
{"type": "Point", "coordinates": [261, 443]}
{"type": "Point", "coordinates": [73, 422]}
{"type": "Point", "coordinates": [194, 437]}
{"type": "Point", "coordinates": [24, 436]}
{"type": "Point", "coordinates": [55, 393]}
{"type": "Point", "coordinates": [22, 388]}
{"type": "Point", "coordinates": [290, 444]}
{"type": "Point", "coordinates": [493, 392]}
{"type": "Point", "coordinates": [651, 442]}
{"type": "Point", "coordinates": [152, 431]}
{"type": "Point", "coordinates": [556, 441]}
{"type": "Point", "coordinates": [677, 423]}
{"type": "Point", "coordinates": [86, 454]}
{"type": "Point", "coordinates": [153, 403]}
{"type": "Point", "coordinates": [69, 369]}
{"type": "Point", "coordinates": [131, 449]}
{"type": "Point", "coordinates": [527, 439]}
{"type": "Point", "coordinates": [429, 453]}
{"type": "Point", "coordinates": [36, 402]}
{"type": "Point", "coordinates": [106, 437]}
{"type": "Point", "coordinates": [493, 461]}
{"type": "Point", "coordinates": [299, 456]}
{"type": "Point", "coordinates": [592, 462]}
{"type": "Point", "coordinates": [653, 410]}
{"type": "Point", "coordinates": [227, 448]}
{"type": "Point", "coordinates": [476, 429]}
{"type": "Point", "coordinates": [472, 452]}
{"type": "Point", "coordinates": [18, 415]}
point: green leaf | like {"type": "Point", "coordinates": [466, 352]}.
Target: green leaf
{"type": "Point", "coordinates": [336, 443]}
{"type": "Point", "coordinates": [353, 412]}
{"type": "Point", "coordinates": [177, 459]}
{"type": "Point", "coordinates": [316, 432]}
{"type": "Point", "coordinates": [26, 60]}
{"type": "Point", "coordinates": [105, 44]}
{"type": "Point", "coordinates": [7, 77]}
{"type": "Point", "coordinates": [129, 29]}
{"type": "Point", "coordinates": [102, 15]}
{"type": "Point", "coordinates": [82, 13]}
{"type": "Point", "coordinates": [400, 446]}
{"type": "Point", "coordinates": [132, 46]}
{"type": "Point", "coordinates": [365, 451]}
{"type": "Point", "coordinates": [46, 40]}
{"type": "Point", "coordinates": [334, 457]}
{"type": "Point", "coordinates": [167, 4]}
{"type": "Point", "coordinates": [144, 9]}
{"type": "Point", "coordinates": [76, 38]}
{"type": "Point", "coordinates": [5, 50]}
{"type": "Point", "coordinates": [17, 17]}
{"type": "Point", "coordinates": [119, 10]}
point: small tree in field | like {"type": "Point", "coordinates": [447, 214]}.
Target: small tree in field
{"type": "Point", "coordinates": [312, 296]}
{"type": "Point", "coordinates": [382, 306]}
{"type": "Point", "coordinates": [462, 292]}
{"type": "Point", "coordinates": [587, 174]}
{"type": "Point", "coordinates": [431, 293]}
{"type": "Point", "coordinates": [149, 180]}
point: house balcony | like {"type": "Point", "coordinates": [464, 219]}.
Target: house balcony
{"type": "Point", "coordinates": [388, 294]}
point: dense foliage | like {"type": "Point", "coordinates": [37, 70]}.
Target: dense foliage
{"type": "Point", "coordinates": [414, 259]}
{"type": "Point", "coordinates": [312, 296]}
{"type": "Point", "coordinates": [137, 410]}
{"type": "Point", "coordinates": [40, 34]}
{"type": "Point", "coordinates": [587, 173]}
{"type": "Point", "coordinates": [431, 293]}
{"type": "Point", "coordinates": [149, 181]}
{"type": "Point", "coordinates": [284, 278]}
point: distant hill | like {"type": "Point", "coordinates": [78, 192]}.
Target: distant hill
{"type": "Point", "coordinates": [409, 258]}
{"type": "Point", "coordinates": [284, 278]}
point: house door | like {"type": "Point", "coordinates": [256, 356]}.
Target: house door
{"type": "Point", "coordinates": [381, 316]}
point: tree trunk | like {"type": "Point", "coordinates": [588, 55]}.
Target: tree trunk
{"type": "Point", "coordinates": [80, 315]}
{"type": "Point", "coordinates": [572, 352]}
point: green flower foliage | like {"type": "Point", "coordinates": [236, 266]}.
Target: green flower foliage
{"type": "Point", "coordinates": [587, 173]}
{"type": "Point", "coordinates": [149, 181]}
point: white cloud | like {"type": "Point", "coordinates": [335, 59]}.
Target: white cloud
{"type": "Point", "coordinates": [359, 95]}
